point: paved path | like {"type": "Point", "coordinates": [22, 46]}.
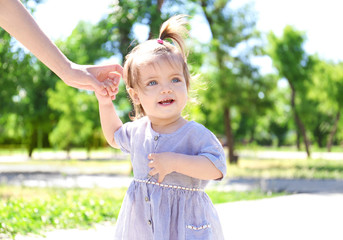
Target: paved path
{"type": "Point", "coordinates": [296, 217]}
{"type": "Point", "coordinates": [282, 185]}
{"type": "Point", "coordinates": [300, 216]}
{"type": "Point", "coordinates": [249, 154]}
{"type": "Point", "coordinates": [59, 179]}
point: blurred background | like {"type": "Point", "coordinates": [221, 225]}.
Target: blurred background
{"type": "Point", "coordinates": [270, 88]}
{"type": "Point", "coordinates": [271, 71]}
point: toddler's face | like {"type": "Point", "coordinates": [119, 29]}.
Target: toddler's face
{"type": "Point", "coordinates": [162, 89]}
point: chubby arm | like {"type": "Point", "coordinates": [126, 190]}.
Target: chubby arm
{"type": "Point", "coordinates": [110, 122]}
{"type": "Point", "coordinates": [193, 166]}
{"type": "Point", "coordinates": [18, 22]}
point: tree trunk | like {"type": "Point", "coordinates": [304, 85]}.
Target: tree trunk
{"type": "Point", "coordinates": [333, 131]}
{"type": "Point", "coordinates": [229, 136]}
{"type": "Point", "coordinates": [252, 135]}
{"type": "Point", "coordinates": [221, 65]}
{"type": "Point", "coordinates": [298, 139]}
{"type": "Point", "coordinates": [88, 153]}
{"type": "Point", "coordinates": [299, 123]}
{"type": "Point", "coordinates": [68, 152]}
{"type": "Point", "coordinates": [155, 27]}
{"type": "Point", "coordinates": [33, 142]}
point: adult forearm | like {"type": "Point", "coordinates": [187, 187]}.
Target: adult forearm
{"type": "Point", "coordinates": [18, 22]}
{"type": "Point", "coordinates": [110, 122]}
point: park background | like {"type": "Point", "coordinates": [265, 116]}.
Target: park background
{"type": "Point", "coordinates": [265, 94]}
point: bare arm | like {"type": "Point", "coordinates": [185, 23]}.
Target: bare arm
{"type": "Point", "coordinates": [110, 122]}
{"type": "Point", "coordinates": [194, 166]}
{"type": "Point", "coordinates": [18, 22]}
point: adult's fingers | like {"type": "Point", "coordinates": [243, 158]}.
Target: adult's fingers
{"type": "Point", "coordinates": [98, 74]}
{"type": "Point", "coordinates": [103, 72]}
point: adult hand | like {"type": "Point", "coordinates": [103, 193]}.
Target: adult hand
{"type": "Point", "coordinates": [92, 77]}
{"type": "Point", "coordinates": [161, 164]}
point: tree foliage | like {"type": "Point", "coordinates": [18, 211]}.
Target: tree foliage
{"type": "Point", "coordinates": [232, 98]}
{"type": "Point", "coordinates": [236, 92]}
{"type": "Point", "coordinates": [293, 64]}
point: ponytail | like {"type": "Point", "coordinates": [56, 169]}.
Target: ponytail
{"type": "Point", "coordinates": [175, 29]}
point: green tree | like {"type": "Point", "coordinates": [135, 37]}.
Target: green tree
{"type": "Point", "coordinates": [293, 64]}
{"type": "Point", "coordinates": [328, 90]}
{"type": "Point", "coordinates": [78, 122]}
{"type": "Point", "coordinates": [33, 106]}
{"type": "Point", "coordinates": [279, 116]}
{"type": "Point", "coordinates": [9, 63]}
{"type": "Point", "coordinates": [23, 84]}
{"type": "Point", "coordinates": [235, 83]}
{"type": "Point", "coordinates": [10, 68]}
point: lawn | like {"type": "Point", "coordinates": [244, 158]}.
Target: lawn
{"type": "Point", "coordinates": [26, 210]}
{"type": "Point", "coordinates": [290, 169]}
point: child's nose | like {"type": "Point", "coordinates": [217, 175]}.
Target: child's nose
{"type": "Point", "coordinates": [166, 89]}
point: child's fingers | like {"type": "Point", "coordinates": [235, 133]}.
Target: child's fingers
{"type": "Point", "coordinates": [102, 98]}
{"type": "Point", "coordinates": [151, 164]}
{"type": "Point", "coordinates": [102, 92]}
{"type": "Point", "coordinates": [110, 84]}
{"type": "Point", "coordinates": [153, 172]}
{"type": "Point", "coordinates": [160, 177]}
{"type": "Point", "coordinates": [111, 90]}
{"type": "Point", "coordinates": [150, 156]}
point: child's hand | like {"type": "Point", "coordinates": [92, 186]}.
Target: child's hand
{"type": "Point", "coordinates": [161, 164]}
{"type": "Point", "coordinates": [111, 86]}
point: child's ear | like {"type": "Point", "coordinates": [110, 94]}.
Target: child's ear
{"type": "Point", "coordinates": [134, 96]}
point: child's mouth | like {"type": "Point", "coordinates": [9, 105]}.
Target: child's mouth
{"type": "Point", "coordinates": [166, 102]}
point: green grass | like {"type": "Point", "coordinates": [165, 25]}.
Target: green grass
{"type": "Point", "coordinates": [11, 150]}
{"type": "Point", "coordinates": [223, 197]}
{"type": "Point", "coordinates": [314, 148]}
{"type": "Point", "coordinates": [292, 168]}
{"type": "Point", "coordinates": [26, 210]}
{"type": "Point", "coordinates": [31, 210]}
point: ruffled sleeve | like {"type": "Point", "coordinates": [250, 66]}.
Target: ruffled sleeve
{"type": "Point", "coordinates": [123, 137]}
{"type": "Point", "coordinates": [211, 148]}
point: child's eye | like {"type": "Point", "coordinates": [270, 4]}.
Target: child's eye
{"type": "Point", "coordinates": [176, 80]}
{"type": "Point", "coordinates": [152, 83]}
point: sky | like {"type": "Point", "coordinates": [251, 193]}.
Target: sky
{"type": "Point", "coordinates": [321, 20]}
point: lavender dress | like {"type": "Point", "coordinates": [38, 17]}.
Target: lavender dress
{"type": "Point", "coordinates": [178, 208]}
